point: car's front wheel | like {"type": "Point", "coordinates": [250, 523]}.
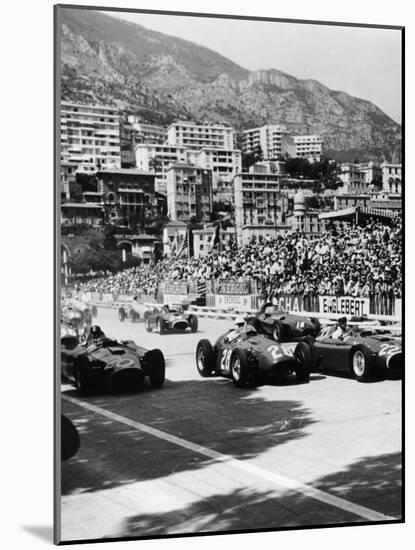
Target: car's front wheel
{"type": "Point", "coordinates": [361, 363]}
{"type": "Point", "coordinates": [239, 368]}
{"type": "Point", "coordinates": [205, 358]}
{"type": "Point", "coordinates": [83, 382]}
{"type": "Point", "coordinates": [303, 358]}
{"type": "Point", "coordinates": [156, 368]}
{"type": "Point", "coordinates": [121, 314]}
{"type": "Point", "coordinates": [277, 331]}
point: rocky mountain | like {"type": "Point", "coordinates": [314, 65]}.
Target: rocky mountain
{"type": "Point", "coordinates": [162, 78]}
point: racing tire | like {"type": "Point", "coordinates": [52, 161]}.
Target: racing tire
{"type": "Point", "coordinates": [156, 368]}
{"type": "Point", "coordinates": [205, 358]}
{"type": "Point", "coordinates": [147, 324]}
{"type": "Point", "coordinates": [70, 440]}
{"type": "Point", "coordinates": [133, 315]}
{"type": "Point", "coordinates": [303, 357]}
{"type": "Point", "coordinates": [278, 331]}
{"type": "Point", "coordinates": [83, 382]}
{"type": "Point", "coordinates": [121, 314]}
{"type": "Point", "coordinates": [193, 322]}
{"type": "Point", "coordinates": [94, 311]}
{"type": "Point", "coordinates": [317, 327]}
{"type": "Point", "coordinates": [253, 321]}
{"type": "Point", "coordinates": [361, 363]}
{"type": "Point", "coordinates": [239, 368]}
{"type": "Point", "coordinates": [160, 327]}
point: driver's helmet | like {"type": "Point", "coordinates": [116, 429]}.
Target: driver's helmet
{"type": "Point", "coordinates": [239, 321]}
{"type": "Point", "coordinates": [96, 332]}
{"type": "Point", "coordinates": [269, 310]}
{"type": "Point", "coordinates": [342, 322]}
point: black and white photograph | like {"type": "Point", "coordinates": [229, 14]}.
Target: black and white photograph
{"type": "Point", "coordinates": [229, 273]}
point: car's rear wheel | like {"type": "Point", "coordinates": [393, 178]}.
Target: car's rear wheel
{"type": "Point", "coordinates": [156, 368]}
{"type": "Point", "coordinates": [160, 325]}
{"type": "Point", "coordinates": [205, 358]}
{"type": "Point", "coordinates": [121, 314]}
{"type": "Point", "coordinates": [361, 363]}
{"type": "Point", "coordinates": [193, 323]}
{"type": "Point", "coordinates": [239, 368]}
{"type": "Point", "coordinates": [147, 324]}
{"type": "Point", "coordinates": [303, 358]}
{"type": "Point", "coordinates": [83, 382]}
{"type": "Point", "coordinates": [133, 315]}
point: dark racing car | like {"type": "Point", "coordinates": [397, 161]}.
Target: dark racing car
{"type": "Point", "coordinates": [170, 318]}
{"type": "Point", "coordinates": [248, 357]}
{"type": "Point", "coordinates": [283, 326]}
{"type": "Point", "coordinates": [364, 352]}
{"type": "Point", "coordinates": [107, 364]}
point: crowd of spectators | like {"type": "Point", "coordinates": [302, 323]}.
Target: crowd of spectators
{"type": "Point", "coordinates": [359, 261]}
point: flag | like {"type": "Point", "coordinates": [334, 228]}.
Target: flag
{"type": "Point", "coordinates": [215, 237]}
{"type": "Point", "coordinates": [183, 245]}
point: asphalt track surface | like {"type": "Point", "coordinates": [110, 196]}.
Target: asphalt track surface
{"type": "Point", "coordinates": [200, 455]}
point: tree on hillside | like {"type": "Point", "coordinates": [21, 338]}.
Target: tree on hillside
{"type": "Point", "coordinates": [248, 159]}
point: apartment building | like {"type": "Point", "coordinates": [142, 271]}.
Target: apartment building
{"type": "Point", "coordinates": [197, 136]}
{"type": "Point", "coordinates": [307, 146]}
{"type": "Point", "coordinates": [268, 137]}
{"type": "Point", "coordinates": [158, 158]}
{"type": "Point", "coordinates": [224, 164]}
{"type": "Point", "coordinates": [391, 177]}
{"type": "Point", "coordinates": [259, 204]}
{"type": "Point", "coordinates": [189, 192]}
{"type": "Point", "coordinates": [90, 140]}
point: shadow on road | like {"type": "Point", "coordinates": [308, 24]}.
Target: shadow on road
{"type": "Point", "coordinates": [211, 413]}
{"type": "Point", "coordinates": [374, 482]}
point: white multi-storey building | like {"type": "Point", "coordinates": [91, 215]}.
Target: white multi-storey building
{"type": "Point", "coordinates": [391, 177]}
{"type": "Point", "coordinates": [309, 147]}
{"type": "Point", "coordinates": [197, 136]}
{"type": "Point", "coordinates": [268, 137]}
{"type": "Point", "coordinates": [259, 204]}
{"type": "Point", "coordinates": [158, 158]}
{"type": "Point", "coordinates": [224, 164]}
{"type": "Point", "coordinates": [90, 139]}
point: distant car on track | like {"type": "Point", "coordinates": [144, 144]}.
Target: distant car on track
{"type": "Point", "coordinates": [283, 326]}
{"type": "Point", "coordinates": [248, 357]}
{"type": "Point", "coordinates": [108, 364]}
{"type": "Point", "coordinates": [366, 352]}
{"type": "Point", "coordinates": [171, 318]}
{"type": "Point", "coordinates": [132, 311]}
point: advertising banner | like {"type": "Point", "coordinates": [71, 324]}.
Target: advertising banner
{"type": "Point", "coordinates": [288, 302]}
{"type": "Point", "coordinates": [344, 305]}
{"type": "Point", "coordinates": [233, 301]}
{"type": "Point", "coordinates": [232, 287]}
{"type": "Point", "coordinates": [176, 288]}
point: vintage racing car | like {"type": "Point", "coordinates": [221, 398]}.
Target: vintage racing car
{"type": "Point", "coordinates": [281, 325]}
{"type": "Point", "coordinates": [108, 364]}
{"type": "Point", "coordinates": [74, 320]}
{"type": "Point", "coordinates": [366, 352]}
{"type": "Point", "coordinates": [171, 317]}
{"type": "Point", "coordinates": [248, 357]}
{"type": "Point", "coordinates": [132, 310]}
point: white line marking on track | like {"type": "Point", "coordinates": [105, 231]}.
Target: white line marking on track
{"type": "Point", "coordinates": [281, 481]}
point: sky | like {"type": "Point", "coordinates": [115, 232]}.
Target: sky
{"type": "Point", "coordinates": [363, 62]}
